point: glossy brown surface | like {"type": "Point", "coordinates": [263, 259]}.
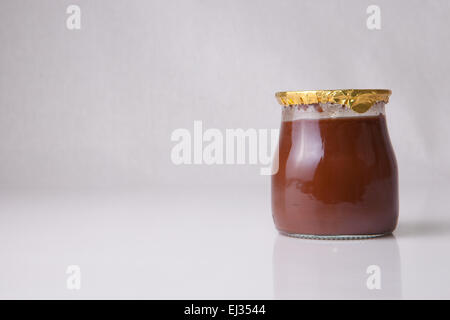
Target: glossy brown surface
{"type": "Point", "coordinates": [335, 177]}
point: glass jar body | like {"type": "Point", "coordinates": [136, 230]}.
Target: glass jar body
{"type": "Point", "coordinates": [337, 174]}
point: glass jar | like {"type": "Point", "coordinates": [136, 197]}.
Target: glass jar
{"type": "Point", "coordinates": [337, 174]}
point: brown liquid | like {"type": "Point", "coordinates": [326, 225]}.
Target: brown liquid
{"type": "Point", "coordinates": [335, 177]}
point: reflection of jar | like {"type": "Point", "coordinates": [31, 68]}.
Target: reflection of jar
{"type": "Point", "coordinates": [337, 269]}
{"type": "Point", "coordinates": [337, 173]}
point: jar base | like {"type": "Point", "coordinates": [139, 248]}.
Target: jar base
{"type": "Point", "coordinates": [334, 237]}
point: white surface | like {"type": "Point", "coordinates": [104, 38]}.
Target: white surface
{"type": "Point", "coordinates": [211, 242]}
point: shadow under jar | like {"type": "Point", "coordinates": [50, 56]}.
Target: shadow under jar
{"type": "Point", "coordinates": [337, 174]}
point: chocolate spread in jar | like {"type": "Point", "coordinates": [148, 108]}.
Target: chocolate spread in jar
{"type": "Point", "coordinates": [336, 176]}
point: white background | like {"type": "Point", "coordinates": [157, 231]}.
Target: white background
{"type": "Point", "coordinates": [85, 124]}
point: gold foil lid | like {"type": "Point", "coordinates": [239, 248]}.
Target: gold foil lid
{"type": "Point", "coordinates": [359, 100]}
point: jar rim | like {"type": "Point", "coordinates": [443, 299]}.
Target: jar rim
{"type": "Point", "coordinates": [359, 100]}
